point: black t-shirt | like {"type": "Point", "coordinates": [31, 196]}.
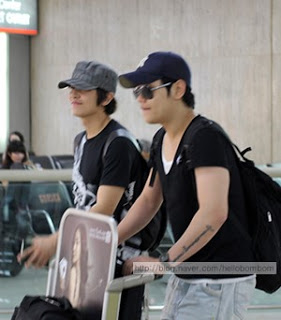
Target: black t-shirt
{"type": "Point", "coordinates": [119, 167]}
{"type": "Point", "coordinates": [207, 148]}
{"type": "Point", "coordinates": [122, 166]}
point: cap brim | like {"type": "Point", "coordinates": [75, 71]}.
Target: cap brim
{"type": "Point", "coordinates": [133, 79]}
{"type": "Point", "coordinates": [77, 84]}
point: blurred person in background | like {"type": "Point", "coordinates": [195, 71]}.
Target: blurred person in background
{"type": "Point", "coordinates": [16, 156]}
{"type": "Point", "coordinates": [16, 135]}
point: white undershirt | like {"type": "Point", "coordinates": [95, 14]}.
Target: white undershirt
{"type": "Point", "coordinates": [166, 164]}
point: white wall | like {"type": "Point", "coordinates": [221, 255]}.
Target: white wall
{"type": "Point", "coordinates": [233, 48]}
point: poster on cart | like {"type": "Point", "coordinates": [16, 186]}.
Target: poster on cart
{"type": "Point", "coordinates": [85, 260]}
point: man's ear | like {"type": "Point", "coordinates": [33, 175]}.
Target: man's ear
{"type": "Point", "coordinates": [178, 89]}
{"type": "Point", "coordinates": [109, 97]}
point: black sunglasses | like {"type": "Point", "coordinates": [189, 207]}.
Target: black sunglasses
{"type": "Point", "coordinates": [146, 91]}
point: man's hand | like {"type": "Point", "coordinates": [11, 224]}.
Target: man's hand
{"type": "Point", "coordinates": [40, 252]}
{"type": "Point", "coordinates": [128, 265]}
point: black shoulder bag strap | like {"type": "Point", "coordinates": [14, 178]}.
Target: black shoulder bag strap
{"type": "Point", "coordinates": [120, 133]}
{"type": "Point", "coordinates": [156, 145]}
{"type": "Point", "coordinates": [78, 139]}
{"type": "Point", "coordinates": [237, 151]}
{"type": "Point", "coordinates": [187, 137]}
{"type": "Point", "coordinates": [194, 126]}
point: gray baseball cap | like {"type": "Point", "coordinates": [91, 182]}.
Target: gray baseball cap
{"type": "Point", "coordinates": [90, 75]}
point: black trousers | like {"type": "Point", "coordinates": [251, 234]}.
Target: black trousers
{"type": "Point", "coordinates": [131, 300]}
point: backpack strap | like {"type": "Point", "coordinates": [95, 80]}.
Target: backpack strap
{"type": "Point", "coordinates": [197, 125]}
{"type": "Point", "coordinates": [78, 139]}
{"type": "Point", "coordinates": [112, 136]}
{"type": "Point", "coordinates": [187, 137]}
{"type": "Point", "coordinates": [238, 152]}
{"type": "Point", "coordinates": [120, 133]}
{"type": "Point", "coordinates": [155, 148]}
{"type": "Point", "coordinates": [242, 153]}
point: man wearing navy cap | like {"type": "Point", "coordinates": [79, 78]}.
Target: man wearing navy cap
{"type": "Point", "coordinates": [193, 168]}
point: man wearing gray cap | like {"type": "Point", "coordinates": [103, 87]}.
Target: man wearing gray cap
{"type": "Point", "coordinates": [104, 183]}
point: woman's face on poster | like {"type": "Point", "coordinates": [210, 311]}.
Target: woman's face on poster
{"type": "Point", "coordinates": [77, 246]}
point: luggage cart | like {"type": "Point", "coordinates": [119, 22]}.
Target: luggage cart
{"type": "Point", "coordinates": [91, 240]}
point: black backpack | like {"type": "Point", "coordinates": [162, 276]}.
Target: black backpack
{"type": "Point", "coordinates": [263, 205]}
{"type": "Point", "coordinates": [45, 308]}
{"type": "Point", "coordinates": [153, 233]}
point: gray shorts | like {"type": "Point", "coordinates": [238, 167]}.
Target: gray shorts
{"type": "Point", "coordinates": [207, 300]}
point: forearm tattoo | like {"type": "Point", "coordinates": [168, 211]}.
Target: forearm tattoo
{"type": "Point", "coordinates": [186, 248]}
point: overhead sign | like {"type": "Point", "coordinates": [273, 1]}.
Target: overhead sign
{"type": "Point", "coordinates": [18, 16]}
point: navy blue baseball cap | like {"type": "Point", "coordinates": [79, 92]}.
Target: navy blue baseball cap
{"type": "Point", "coordinates": [155, 66]}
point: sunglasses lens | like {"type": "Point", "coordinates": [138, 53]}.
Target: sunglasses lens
{"type": "Point", "coordinates": [144, 91]}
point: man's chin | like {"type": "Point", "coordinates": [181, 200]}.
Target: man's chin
{"type": "Point", "coordinates": [151, 121]}
{"type": "Point", "coordinates": [77, 115]}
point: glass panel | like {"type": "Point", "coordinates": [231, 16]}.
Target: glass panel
{"type": "Point", "coordinates": [27, 209]}
{"type": "Point", "coordinates": [36, 208]}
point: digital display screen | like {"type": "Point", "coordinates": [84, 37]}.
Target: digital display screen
{"type": "Point", "coordinates": [18, 16]}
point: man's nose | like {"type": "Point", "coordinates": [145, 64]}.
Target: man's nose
{"type": "Point", "coordinates": [141, 98]}
{"type": "Point", "coordinates": [73, 92]}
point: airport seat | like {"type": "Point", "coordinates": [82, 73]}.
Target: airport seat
{"type": "Point", "coordinates": [41, 222]}
{"type": "Point", "coordinates": [18, 225]}
{"type": "Point", "coordinates": [14, 199]}
{"type": "Point", "coordinates": [14, 235]}
{"type": "Point", "coordinates": [2, 190]}
{"type": "Point", "coordinates": [9, 247]}
{"type": "Point", "coordinates": [43, 162]}
{"type": "Point", "coordinates": [63, 161]}
{"type": "Point", "coordinates": [53, 197]}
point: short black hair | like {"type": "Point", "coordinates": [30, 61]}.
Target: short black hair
{"type": "Point", "coordinates": [109, 108]}
{"type": "Point", "coordinates": [16, 146]}
{"type": "Point", "coordinates": [188, 98]}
